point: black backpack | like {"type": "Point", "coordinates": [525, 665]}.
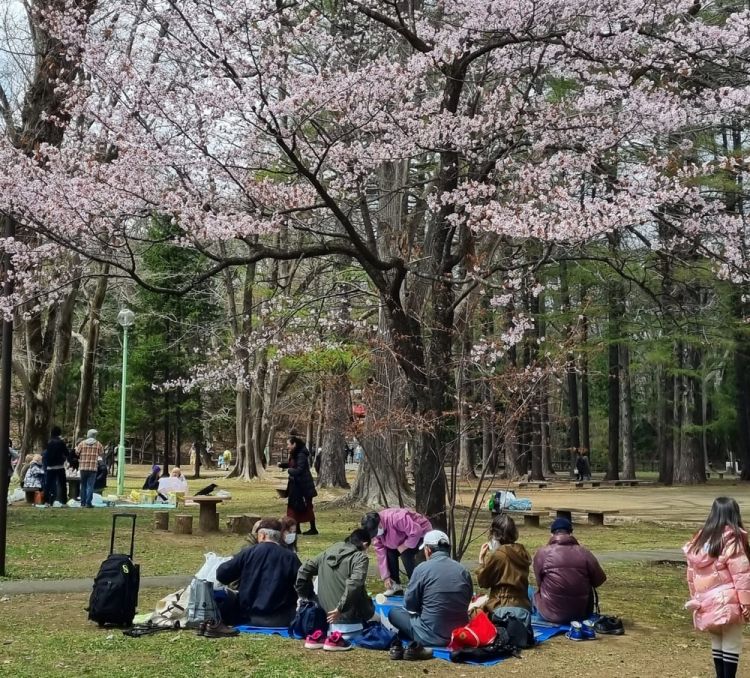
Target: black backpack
{"type": "Point", "coordinates": [500, 648]}
{"type": "Point", "coordinates": [310, 617]}
{"type": "Point", "coordinates": [115, 595]}
{"type": "Point", "coordinates": [520, 635]}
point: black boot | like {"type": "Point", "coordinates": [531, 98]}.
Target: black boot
{"type": "Point", "coordinates": [312, 531]}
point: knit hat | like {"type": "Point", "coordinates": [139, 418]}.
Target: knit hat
{"type": "Point", "coordinates": [561, 525]}
{"type": "Point", "coordinates": [155, 468]}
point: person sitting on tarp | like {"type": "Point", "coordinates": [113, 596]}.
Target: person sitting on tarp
{"type": "Point", "coordinates": [175, 482]}
{"type": "Point", "coordinates": [342, 580]}
{"type": "Point", "coordinates": [152, 480]}
{"type": "Point", "coordinates": [437, 599]}
{"type": "Point", "coordinates": [266, 574]}
{"type": "Point", "coordinates": [567, 574]}
{"type": "Point", "coordinates": [504, 570]}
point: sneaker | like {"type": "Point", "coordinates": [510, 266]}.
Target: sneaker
{"type": "Point", "coordinates": [336, 643]}
{"type": "Point", "coordinates": [576, 631]}
{"type": "Point", "coordinates": [395, 590]}
{"type": "Point", "coordinates": [396, 650]}
{"type": "Point", "coordinates": [415, 652]}
{"type": "Point", "coordinates": [218, 629]}
{"type": "Point", "coordinates": [201, 630]}
{"type": "Point", "coordinates": [611, 626]}
{"type": "Point", "coordinates": [315, 640]}
{"type": "Point", "coordinates": [588, 630]}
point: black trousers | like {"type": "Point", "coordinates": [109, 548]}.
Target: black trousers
{"type": "Point", "coordinates": [233, 615]}
{"type": "Point", "coordinates": [56, 486]}
{"type": "Point", "coordinates": [410, 558]}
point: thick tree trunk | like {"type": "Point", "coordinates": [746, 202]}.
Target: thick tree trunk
{"type": "Point", "coordinates": [90, 348]}
{"type": "Point", "coordinates": [571, 393]}
{"type": "Point", "coordinates": [689, 468]}
{"type": "Point", "coordinates": [664, 413]}
{"type": "Point", "coordinates": [337, 421]}
{"type": "Point", "coordinates": [742, 382]}
{"type": "Point", "coordinates": [626, 407]}
{"type": "Point", "coordinates": [616, 311]}
{"type": "Point", "coordinates": [381, 476]}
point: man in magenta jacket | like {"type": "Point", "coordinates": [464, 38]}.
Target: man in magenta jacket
{"type": "Point", "coordinates": [396, 532]}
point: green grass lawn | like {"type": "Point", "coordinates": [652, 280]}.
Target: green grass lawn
{"type": "Point", "coordinates": [650, 599]}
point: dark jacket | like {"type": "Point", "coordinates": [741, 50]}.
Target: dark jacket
{"type": "Point", "coordinates": [342, 575]}
{"type": "Point", "coordinates": [439, 591]}
{"type": "Point", "coordinates": [566, 574]}
{"type": "Point", "coordinates": [100, 481]}
{"type": "Point", "coordinates": [505, 573]}
{"type": "Point", "coordinates": [152, 482]}
{"type": "Point", "coordinates": [266, 573]}
{"type": "Point", "coordinates": [56, 453]}
{"type": "Point", "coordinates": [301, 483]}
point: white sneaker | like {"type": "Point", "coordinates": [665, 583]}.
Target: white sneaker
{"type": "Point", "coordinates": [396, 590]}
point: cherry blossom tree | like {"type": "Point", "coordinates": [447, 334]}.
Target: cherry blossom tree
{"type": "Point", "coordinates": [510, 121]}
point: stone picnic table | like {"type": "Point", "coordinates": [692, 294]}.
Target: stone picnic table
{"type": "Point", "coordinates": [208, 519]}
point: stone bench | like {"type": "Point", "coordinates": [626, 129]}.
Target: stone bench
{"type": "Point", "coordinates": [595, 516]}
{"type": "Point", "coordinates": [721, 474]}
{"type": "Point", "coordinates": [530, 518]}
{"type": "Point", "coordinates": [585, 483]}
{"type": "Point", "coordinates": [532, 483]}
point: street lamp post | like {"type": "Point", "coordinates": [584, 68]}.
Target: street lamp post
{"type": "Point", "coordinates": [126, 318]}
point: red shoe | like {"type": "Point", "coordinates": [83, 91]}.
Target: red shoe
{"type": "Point", "coordinates": [315, 641]}
{"type": "Point", "coordinates": [336, 643]}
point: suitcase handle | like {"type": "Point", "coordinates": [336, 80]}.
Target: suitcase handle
{"type": "Point", "coordinates": [115, 516]}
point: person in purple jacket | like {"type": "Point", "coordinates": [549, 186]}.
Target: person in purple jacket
{"type": "Point", "coordinates": [567, 574]}
{"type": "Point", "coordinates": [396, 533]}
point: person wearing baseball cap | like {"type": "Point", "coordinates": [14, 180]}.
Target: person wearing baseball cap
{"type": "Point", "coordinates": [567, 574]}
{"type": "Point", "coordinates": [436, 600]}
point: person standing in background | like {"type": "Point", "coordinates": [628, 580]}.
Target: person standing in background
{"type": "Point", "coordinates": [89, 451]}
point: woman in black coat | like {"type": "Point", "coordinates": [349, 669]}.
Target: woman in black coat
{"type": "Point", "coordinates": [301, 486]}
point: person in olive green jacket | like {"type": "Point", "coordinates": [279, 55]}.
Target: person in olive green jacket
{"type": "Point", "coordinates": [342, 575]}
{"type": "Point", "coordinates": [504, 570]}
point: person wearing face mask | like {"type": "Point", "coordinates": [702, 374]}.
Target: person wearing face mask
{"type": "Point", "coordinates": [289, 533]}
{"type": "Point", "coordinates": [396, 532]}
{"type": "Point", "coordinates": [342, 580]}
{"type": "Point", "coordinates": [504, 569]}
{"type": "Point", "coordinates": [436, 601]}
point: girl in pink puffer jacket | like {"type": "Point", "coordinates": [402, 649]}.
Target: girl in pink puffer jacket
{"type": "Point", "coordinates": [718, 574]}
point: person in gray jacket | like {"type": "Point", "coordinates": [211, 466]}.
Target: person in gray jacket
{"type": "Point", "coordinates": [342, 575]}
{"type": "Point", "coordinates": [437, 599]}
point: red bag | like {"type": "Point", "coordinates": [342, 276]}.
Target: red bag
{"type": "Point", "coordinates": [478, 632]}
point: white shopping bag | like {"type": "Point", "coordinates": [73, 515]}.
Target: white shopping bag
{"type": "Point", "coordinates": [208, 569]}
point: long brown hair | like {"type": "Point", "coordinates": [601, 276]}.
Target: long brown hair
{"type": "Point", "coordinates": [725, 513]}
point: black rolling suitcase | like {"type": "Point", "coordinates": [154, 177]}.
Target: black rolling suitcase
{"type": "Point", "coordinates": [115, 596]}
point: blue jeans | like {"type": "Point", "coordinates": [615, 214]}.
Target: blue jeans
{"type": "Point", "coordinates": [87, 487]}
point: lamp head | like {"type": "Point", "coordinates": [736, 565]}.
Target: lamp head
{"type": "Point", "coordinates": [126, 317]}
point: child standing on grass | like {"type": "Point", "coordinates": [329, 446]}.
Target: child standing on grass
{"type": "Point", "coordinates": [718, 575]}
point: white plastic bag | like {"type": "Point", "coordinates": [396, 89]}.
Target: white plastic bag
{"type": "Point", "coordinates": [503, 499]}
{"type": "Point", "coordinates": [208, 569]}
{"type": "Point", "coordinates": [223, 494]}
{"type": "Point", "coordinates": [17, 495]}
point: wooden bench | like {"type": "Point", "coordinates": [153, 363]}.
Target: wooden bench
{"type": "Point", "coordinates": [718, 473]}
{"type": "Point", "coordinates": [532, 483]}
{"type": "Point", "coordinates": [625, 483]}
{"type": "Point", "coordinates": [530, 518]}
{"type": "Point", "coordinates": [584, 483]}
{"type": "Point", "coordinates": [595, 516]}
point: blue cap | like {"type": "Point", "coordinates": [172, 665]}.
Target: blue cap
{"type": "Point", "coordinates": [561, 525]}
